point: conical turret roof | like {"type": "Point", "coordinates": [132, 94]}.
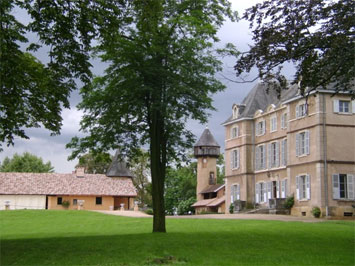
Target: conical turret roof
{"type": "Point", "coordinates": [207, 139]}
{"type": "Point", "coordinates": [118, 168]}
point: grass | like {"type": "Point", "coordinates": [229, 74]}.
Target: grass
{"type": "Point", "coordinates": [87, 238]}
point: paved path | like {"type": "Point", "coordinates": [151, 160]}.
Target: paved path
{"type": "Point", "coordinates": [241, 216]}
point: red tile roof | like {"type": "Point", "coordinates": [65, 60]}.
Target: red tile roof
{"type": "Point", "coordinates": [65, 184]}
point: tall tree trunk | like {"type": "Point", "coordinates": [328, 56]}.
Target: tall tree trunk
{"type": "Point", "coordinates": [158, 173]}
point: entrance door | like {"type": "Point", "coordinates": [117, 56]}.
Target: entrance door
{"type": "Point", "coordinates": [117, 201]}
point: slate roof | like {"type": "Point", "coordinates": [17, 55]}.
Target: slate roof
{"type": "Point", "coordinates": [212, 188]}
{"type": "Point", "coordinates": [207, 139]}
{"type": "Point", "coordinates": [259, 99]}
{"type": "Point", "coordinates": [118, 168]}
{"type": "Point", "coordinates": [65, 184]}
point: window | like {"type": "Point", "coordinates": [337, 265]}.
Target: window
{"type": "Point", "coordinates": [75, 202]}
{"type": "Point", "coordinates": [343, 186]}
{"type": "Point", "coordinates": [303, 187]}
{"type": "Point", "coordinates": [260, 157]}
{"type": "Point", "coordinates": [284, 120]}
{"type": "Point", "coordinates": [98, 200]}
{"type": "Point", "coordinates": [235, 159]}
{"type": "Point", "coordinates": [302, 143]}
{"type": "Point", "coordinates": [343, 106]}
{"type": "Point", "coordinates": [212, 180]}
{"type": "Point", "coordinates": [260, 128]}
{"type": "Point", "coordinates": [284, 188]}
{"type": "Point", "coordinates": [284, 152]}
{"type": "Point", "coordinates": [59, 201]}
{"type": "Point", "coordinates": [235, 193]}
{"type": "Point", "coordinates": [234, 132]}
{"type": "Point", "coordinates": [273, 123]}
{"type": "Point", "coordinates": [235, 111]}
{"type": "Point", "coordinates": [260, 192]}
{"type": "Point", "coordinates": [273, 155]}
{"type": "Point", "coordinates": [301, 110]}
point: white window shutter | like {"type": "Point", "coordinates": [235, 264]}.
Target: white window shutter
{"type": "Point", "coordinates": [297, 144]}
{"type": "Point", "coordinates": [353, 106]}
{"type": "Point", "coordinates": [238, 192]}
{"type": "Point", "coordinates": [257, 193]}
{"type": "Point", "coordinates": [350, 187]}
{"type": "Point", "coordinates": [277, 189]}
{"type": "Point", "coordinates": [297, 111]}
{"type": "Point", "coordinates": [336, 106]}
{"type": "Point", "coordinates": [277, 154]}
{"type": "Point", "coordinates": [282, 121]}
{"type": "Point", "coordinates": [285, 152]}
{"type": "Point", "coordinates": [264, 127]}
{"type": "Point", "coordinates": [232, 159]}
{"type": "Point", "coordinates": [269, 155]}
{"type": "Point", "coordinates": [269, 190]}
{"type": "Point", "coordinates": [238, 158]}
{"type": "Point", "coordinates": [232, 194]}
{"type": "Point", "coordinates": [283, 188]}
{"type": "Point", "coordinates": [236, 131]}
{"type": "Point", "coordinates": [336, 192]}
{"type": "Point", "coordinates": [297, 187]}
{"type": "Point", "coordinates": [264, 157]}
{"type": "Point", "coordinates": [307, 142]}
{"type": "Point", "coordinates": [257, 156]}
{"type": "Point", "coordinates": [308, 187]}
{"type": "Point", "coordinates": [265, 191]}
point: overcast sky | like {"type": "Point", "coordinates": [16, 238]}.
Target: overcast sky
{"type": "Point", "coordinates": [53, 148]}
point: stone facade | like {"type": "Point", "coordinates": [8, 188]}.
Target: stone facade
{"type": "Point", "coordinates": [301, 146]}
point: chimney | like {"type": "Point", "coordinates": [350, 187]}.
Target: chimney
{"type": "Point", "coordinates": [80, 171]}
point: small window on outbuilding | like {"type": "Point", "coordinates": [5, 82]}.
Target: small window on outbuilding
{"type": "Point", "coordinates": [59, 200]}
{"type": "Point", "coordinates": [98, 200]}
{"type": "Point", "coordinates": [75, 202]}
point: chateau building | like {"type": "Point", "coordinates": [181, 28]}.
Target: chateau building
{"type": "Point", "coordinates": [292, 145]}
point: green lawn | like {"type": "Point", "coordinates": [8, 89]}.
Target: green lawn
{"type": "Point", "coordinates": [88, 238]}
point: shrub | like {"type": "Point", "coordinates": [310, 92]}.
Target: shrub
{"type": "Point", "coordinates": [149, 211]}
{"type": "Point", "coordinates": [184, 206]}
{"type": "Point", "coordinates": [231, 208]}
{"type": "Point", "coordinates": [316, 212]}
{"type": "Point", "coordinates": [289, 202]}
{"type": "Point", "coordinates": [65, 203]}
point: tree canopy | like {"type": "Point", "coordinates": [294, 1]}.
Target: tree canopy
{"type": "Point", "coordinates": [161, 72]}
{"type": "Point", "coordinates": [26, 163]}
{"type": "Point", "coordinates": [95, 163]}
{"type": "Point", "coordinates": [180, 189]}
{"type": "Point", "coordinates": [316, 35]}
{"type": "Point", "coordinates": [33, 93]}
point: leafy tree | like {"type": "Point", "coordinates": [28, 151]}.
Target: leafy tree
{"type": "Point", "coordinates": [161, 73]}
{"type": "Point", "coordinates": [220, 169]}
{"type": "Point", "coordinates": [141, 172]}
{"type": "Point", "coordinates": [316, 35]}
{"type": "Point", "coordinates": [33, 93]}
{"type": "Point", "coordinates": [180, 188]}
{"type": "Point", "coordinates": [95, 163]}
{"type": "Point", "coordinates": [26, 163]}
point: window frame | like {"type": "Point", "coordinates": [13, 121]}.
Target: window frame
{"type": "Point", "coordinates": [235, 191]}
{"type": "Point", "coordinates": [260, 157]}
{"type": "Point", "coordinates": [303, 187]}
{"type": "Point", "coordinates": [234, 132]}
{"type": "Point", "coordinates": [284, 120]}
{"type": "Point", "coordinates": [303, 143]}
{"type": "Point", "coordinates": [283, 152]}
{"type": "Point", "coordinates": [349, 186]}
{"type": "Point", "coordinates": [273, 123]}
{"type": "Point", "coordinates": [260, 128]}
{"type": "Point", "coordinates": [98, 201]}
{"type": "Point", "coordinates": [59, 200]}
{"type": "Point", "coordinates": [235, 159]}
{"type": "Point", "coordinates": [274, 154]}
{"type": "Point", "coordinates": [301, 110]}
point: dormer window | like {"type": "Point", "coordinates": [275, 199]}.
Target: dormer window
{"type": "Point", "coordinates": [235, 111]}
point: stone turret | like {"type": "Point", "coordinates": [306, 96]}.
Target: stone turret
{"type": "Point", "coordinates": [206, 150]}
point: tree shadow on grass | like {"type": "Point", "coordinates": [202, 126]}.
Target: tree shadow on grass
{"type": "Point", "coordinates": [200, 248]}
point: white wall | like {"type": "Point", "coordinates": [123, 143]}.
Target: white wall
{"type": "Point", "coordinates": [23, 202]}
